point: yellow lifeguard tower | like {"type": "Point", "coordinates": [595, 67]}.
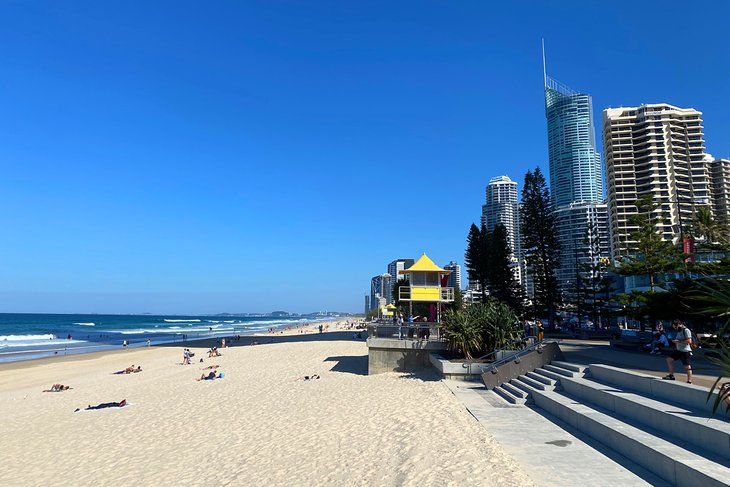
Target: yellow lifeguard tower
{"type": "Point", "coordinates": [425, 278]}
{"type": "Point", "coordinates": [387, 310]}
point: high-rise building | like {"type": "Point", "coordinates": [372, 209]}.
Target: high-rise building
{"type": "Point", "coordinates": [501, 208]}
{"type": "Point", "coordinates": [367, 303]}
{"type": "Point", "coordinates": [657, 151]}
{"type": "Point", "coordinates": [377, 290]}
{"type": "Point", "coordinates": [720, 189]}
{"type": "Point", "coordinates": [575, 166]}
{"type": "Point", "coordinates": [454, 276]}
{"type": "Point", "coordinates": [583, 227]}
{"type": "Point", "coordinates": [394, 269]}
{"type": "Point", "coordinates": [576, 181]}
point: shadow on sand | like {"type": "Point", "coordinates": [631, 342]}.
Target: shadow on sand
{"type": "Point", "coordinates": [357, 364]}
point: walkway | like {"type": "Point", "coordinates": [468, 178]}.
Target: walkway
{"type": "Point", "coordinates": [554, 453]}
{"type": "Point", "coordinates": [585, 352]}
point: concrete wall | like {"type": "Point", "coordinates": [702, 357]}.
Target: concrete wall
{"type": "Point", "coordinates": [392, 355]}
{"type": "Point", "coordinates": [526, 363]}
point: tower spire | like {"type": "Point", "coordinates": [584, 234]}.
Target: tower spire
{"type": "Point", "coordinates": [544, 69]}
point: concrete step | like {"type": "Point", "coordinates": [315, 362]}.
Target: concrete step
{"type": "Point", "coordinates": [507, 396]}
{"type": "Point", "coordinates": [673, 422]}
{"type": "Point", "coordinates": [534, 383]}
{"type": "Point", "coordinates": [525, 388]}
{"type": "Point", "coordinates": [549, 374]}
{"type": "Point", "coordinates": [560, 370]}
{"type": "Point", "coordinates": [672, 462]}
{"type": "Point", "coordinates": [675, 392]}
{"type": "Point", "coordinates": [567, 365]}
{"type": "Point", "coordinates": [542, 378]}
{"type": "Point", "coordinates": [515, 391]}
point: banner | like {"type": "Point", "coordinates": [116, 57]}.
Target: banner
{"type": "Point", "coordinates": [688, 247]}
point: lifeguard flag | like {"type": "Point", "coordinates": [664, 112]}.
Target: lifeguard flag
{"type": "Point", "coordinates": [688, 247]}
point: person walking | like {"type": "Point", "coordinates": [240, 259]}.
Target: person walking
{"type": "Point", "coordinates": [682, 352]}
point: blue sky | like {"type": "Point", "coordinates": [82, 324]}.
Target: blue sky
{"type": "Point", "coordinates": [204, 157]}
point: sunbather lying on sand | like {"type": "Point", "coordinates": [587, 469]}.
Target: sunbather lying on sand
{"type": "Point", "coordinates": [58, 388]}
{"type": "Point", "coordinates": [309, 377]}
{"type": "Point", "coordinates": [105, 405]}
{"type": "Point", "coordinates": [130, 370]}
{"type": "Point", "coordinates": [211, 375]}
{"type": "Point", "coordinates": [210, 367]}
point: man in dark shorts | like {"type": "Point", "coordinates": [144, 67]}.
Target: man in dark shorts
{"type": "Point", "coordinates": [683, 351]}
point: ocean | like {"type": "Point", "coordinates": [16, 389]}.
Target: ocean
{"type": "Point", "coordinates": [31, 336]}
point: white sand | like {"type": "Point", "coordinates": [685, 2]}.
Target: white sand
{"type": "Point", "coordinates": [257, 426]}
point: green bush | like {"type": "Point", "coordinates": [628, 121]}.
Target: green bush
{"type": "Point", "coordinates": [480, 328]}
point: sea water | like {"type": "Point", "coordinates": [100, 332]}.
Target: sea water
{"type": "Point", "coordinates": [29, 336]}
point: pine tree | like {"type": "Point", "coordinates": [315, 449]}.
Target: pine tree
{"type": "Point", "coordinates": [476, 257]}
{"type": "Point", "coordinates": [540, 242]}
{"type": "Point", "coordinates": [654, 254]}
{"type": "Point", "coordinates": [500, 278]}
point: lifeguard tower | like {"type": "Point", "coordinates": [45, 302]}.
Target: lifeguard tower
{"type": "Point", "coordinates": [388, 349]}
{"type": "Point", "coordinates": [387, 311]}
{"type": "Point", "coordinates": [425, 279]}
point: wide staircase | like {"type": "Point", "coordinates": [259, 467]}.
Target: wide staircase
{"type": "Point", "coordinates": [664, 426]}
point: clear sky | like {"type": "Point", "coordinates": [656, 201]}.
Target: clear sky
{"type": "Point", "coordinates": [247, 156]}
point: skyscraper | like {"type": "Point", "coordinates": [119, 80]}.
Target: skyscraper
{"type": "Point", "coordinates": [575, 166]}
{"type": "Point", "coordinates": [720, 189]}
{"type": "Point", "coordinates": [501, 208]}
{"type": "Point", "coordinates": [393, 270]}
{"type": "Point", "coordinates": [576, 180]}
{"type": "Point", "coordinates": [585, 241]}
{"type": "Point", "coordinates": [377, 290]}
{"type": "Point", "coordinates": [655, 150]}
{"type": "Point", "coordinates": [455, 276]}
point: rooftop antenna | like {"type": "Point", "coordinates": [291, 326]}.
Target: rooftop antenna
{"type": "Point", "coordinates": [544, 69]}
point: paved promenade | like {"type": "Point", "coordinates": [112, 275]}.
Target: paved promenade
{"type": "Point", "coordinates": [585, 352]}
{"type": "Point", "coordinates": [552, 452]}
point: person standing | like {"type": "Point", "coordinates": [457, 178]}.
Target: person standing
{"type": "Point", "coordinates": [682, 352]}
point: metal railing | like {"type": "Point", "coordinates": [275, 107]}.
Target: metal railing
{"type": "Point", "coordinates": [423, 331]}
{"type": "Point", "coordinates": [537, 346]}
{"type": "Point", "coordinates": [447, 294]}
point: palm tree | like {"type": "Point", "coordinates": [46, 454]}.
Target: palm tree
{"type": "Point", "coordinates": [715, 294]}
{"type": "Point", "coordinates": [705, 225]}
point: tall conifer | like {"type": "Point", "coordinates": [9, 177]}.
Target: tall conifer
{"type": "Point", "coordinates": [476, 256]}
{"type": "Point", "coordinates": [540, 242]}
{"type": "Point", "coordinates": [501, 278]}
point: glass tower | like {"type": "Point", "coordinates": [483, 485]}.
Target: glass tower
{"type": "Point", "coordinates": [575, 166]}
{"type": "Point", "coordinates": [576, 184]}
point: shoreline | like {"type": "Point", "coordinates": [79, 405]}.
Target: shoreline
{"type": "Point", "coordinates": [207, 342]}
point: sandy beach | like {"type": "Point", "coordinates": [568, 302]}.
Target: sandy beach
{"type": "Point", "coordinates": [258, 425]}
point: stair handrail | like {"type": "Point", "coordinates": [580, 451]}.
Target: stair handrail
{"type": "Point", "coordinates": [520, 341]}
{"type": "Point", "coordinates": [537, 346]}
